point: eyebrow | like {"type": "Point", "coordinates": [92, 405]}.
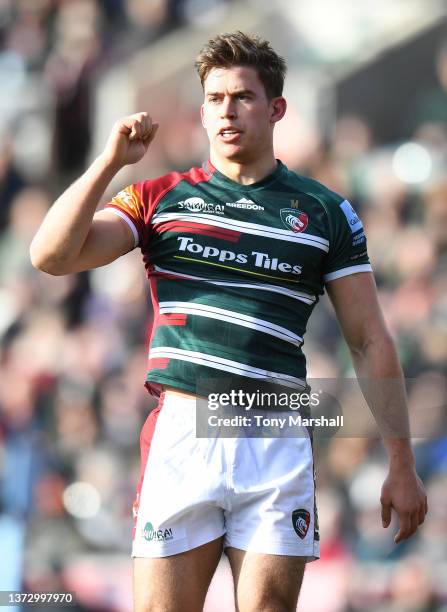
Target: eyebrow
{"type": "Point", "coordinates": [235, 93]}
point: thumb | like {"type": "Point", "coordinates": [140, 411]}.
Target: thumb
{"type": "Point", "coordinates": [386, 514]}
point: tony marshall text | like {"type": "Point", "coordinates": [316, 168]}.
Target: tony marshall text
{"type": "Point", "coordinates": [258, 420]}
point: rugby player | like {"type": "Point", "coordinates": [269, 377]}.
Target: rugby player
{"type": "Point", "coordinates": [237, 253]}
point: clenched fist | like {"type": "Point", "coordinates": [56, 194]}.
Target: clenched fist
{"type": "Point", "coordinates": [129, 140]}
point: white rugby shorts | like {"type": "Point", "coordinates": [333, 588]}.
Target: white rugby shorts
{"type": "Point", "coordinates": [259, 493]}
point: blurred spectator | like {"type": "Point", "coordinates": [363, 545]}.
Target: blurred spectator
{"type": "Point", "coordinates": [73, 349]}
{"type": "Point", "coordinates": [430, 108]}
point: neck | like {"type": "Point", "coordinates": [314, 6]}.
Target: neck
{"type": "Point", "coordinates": [245, 173]}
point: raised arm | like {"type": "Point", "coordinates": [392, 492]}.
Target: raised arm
{"type": "Point", "coordinates": [72, 236]}
{"type": "Point", "coordinates": [375, 361]}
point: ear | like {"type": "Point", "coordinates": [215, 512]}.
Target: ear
{"type": "Point", "coordinates": [202, 115]}
{"type": "Point", "coordinates": [278, 107]}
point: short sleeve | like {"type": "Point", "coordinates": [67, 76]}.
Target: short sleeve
{"type": "Point", "coordinates": [129, 205]}
{"type": "Point", "coordinates": [347, 244]}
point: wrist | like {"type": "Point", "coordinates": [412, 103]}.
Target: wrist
{"type": "Point", "coordinates": [108, 164]}
{"type": "Point", "coordinates": [400, 453]}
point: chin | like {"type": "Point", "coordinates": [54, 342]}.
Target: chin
{"type": "Point", "coordinates": [234, 153]}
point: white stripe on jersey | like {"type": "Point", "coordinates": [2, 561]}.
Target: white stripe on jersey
{"type": "Point", "coordinates": [298, 295]}
{"type": "Point", "coordinates": [128, 220]}
{"type": "Point", "coordinates": [230, 316]}
{"type": "Point", "coordinates": [244, 228]}
{"type": "Point", "coordinates": [227, 365]}
{"type": "Point", "coordinates": [347, 271]}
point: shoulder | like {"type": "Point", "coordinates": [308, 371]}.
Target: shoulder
{"type": "Point", "coordinates": [311, 187]}
{"type": "Point", "coordinates": [157, 187]}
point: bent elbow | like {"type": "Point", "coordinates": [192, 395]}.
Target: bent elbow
{"type": "Point", "coordinates": [45, 263]}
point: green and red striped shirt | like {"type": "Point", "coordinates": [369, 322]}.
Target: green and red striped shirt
{"type": "Point", "coordinates": [236, 270]}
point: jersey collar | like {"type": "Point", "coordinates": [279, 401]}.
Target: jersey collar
{"type": "Point", "coordinates": [224, 180]}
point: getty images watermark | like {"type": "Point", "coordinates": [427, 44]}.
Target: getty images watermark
{"type": "Point", "coordinates": [324, 408]}
{"type": "Point", "coordinates": [271, 411]}
{"type": "Point", "coordinates": [263, 399]}
{"type": "Point", "coordinates": [258, 403]}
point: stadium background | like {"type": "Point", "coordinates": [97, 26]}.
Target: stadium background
{"type": "Point", "coordinates": [367, 92]}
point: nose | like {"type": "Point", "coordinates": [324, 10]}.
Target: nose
{"type": "Point", "coordinates": [228, 108]}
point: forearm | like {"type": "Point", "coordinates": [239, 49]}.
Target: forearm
{"type": "Point", "coordinates": [64, 230]}
{"type": "Point", "coordinates": [381, 380]}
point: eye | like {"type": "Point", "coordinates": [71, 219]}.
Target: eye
{"type": "Point", "coordinates": [213, 99]}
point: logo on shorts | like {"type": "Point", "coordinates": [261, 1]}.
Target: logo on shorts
{"type": "Point", "coordinates": [293, 219]}
{"type": "Point", "coordinates": [161, 535]}
{"type": "Point", "coordinates": [300, 522]}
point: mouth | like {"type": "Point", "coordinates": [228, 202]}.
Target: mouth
{"type": "Point", "coordinates": [229, 134]}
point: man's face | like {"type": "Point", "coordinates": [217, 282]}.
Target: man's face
{"type": "Point", "coordinates": [237, 114]}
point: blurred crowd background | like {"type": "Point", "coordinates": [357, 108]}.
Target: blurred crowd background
{"type": "Point", "coordinates": [367, 92]}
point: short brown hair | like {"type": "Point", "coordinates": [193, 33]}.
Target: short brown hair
{"type": "Point", "coordinates": [239, 49]}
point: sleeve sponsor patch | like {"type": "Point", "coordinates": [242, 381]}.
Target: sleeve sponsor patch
{"type": "Point", "coordinates": [353, 221]}
{"type": "Point", "coordinates": [359, 239]}
{"type": "Point", "coordinates": [358, 256]}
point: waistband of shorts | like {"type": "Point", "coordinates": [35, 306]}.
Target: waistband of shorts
{"type": "Point", "coordinates": [179, 401]}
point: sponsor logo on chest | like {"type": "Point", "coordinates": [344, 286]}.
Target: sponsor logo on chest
{"type": "Point", "coordinates": [255, 258]}
{"type": "Point", "coordinates": [198, 205]}
{"type": "Point", "coordinates": [245, 204]}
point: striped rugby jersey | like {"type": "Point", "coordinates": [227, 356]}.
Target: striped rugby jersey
{"type": "Point", "coordinates": [236, 270]}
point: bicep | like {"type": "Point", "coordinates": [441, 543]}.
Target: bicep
{"type": "Point", "coordinates": [355, 301]}
{"type": "Point", "coordinates": [109, 237]}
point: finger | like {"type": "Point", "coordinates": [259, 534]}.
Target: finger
{"type": "Point", "coordinates": [386, 514]}
{"type": "Point", "coordinates": [421, 514]}
{"type": "Point", "coordinates": [404, 528]}
{"type": "Point", "coordinates": [140, 125]}
{"type": "Point", "coordinates": [414, 523]}
{"type": "Point", "coordinates": [147, 127]}
{"type": "Point", "coordinates": [136, 131]}
{"type": "Point", "coordinates": [150, 138]}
